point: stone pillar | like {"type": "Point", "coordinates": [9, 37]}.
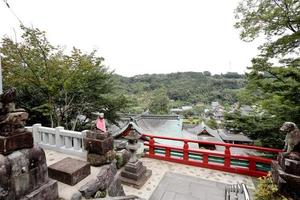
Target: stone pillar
{"type": "Point", "coordinates": [58, 138]}
{"type": "Point", "coordinates": [36, 134]}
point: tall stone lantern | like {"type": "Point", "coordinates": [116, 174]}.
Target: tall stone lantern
{"type": "Point", "coordinates": [134, 172]}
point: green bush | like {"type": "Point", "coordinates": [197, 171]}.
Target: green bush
{"type": "Point", "coordinates": [267, 190]}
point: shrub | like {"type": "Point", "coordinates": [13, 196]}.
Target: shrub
{"type": "Point", "coordinates": [267, 190]}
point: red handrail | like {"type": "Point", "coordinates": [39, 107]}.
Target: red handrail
{"type": "Point", "coordinates": [228, 158]}
{"type": "Point", "coordinates": [216, 143]}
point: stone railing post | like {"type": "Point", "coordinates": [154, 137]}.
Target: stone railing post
{"type": "Point", "coordinates": [36, 134]}
{"type": "Point", "coordinates": [58, 138]}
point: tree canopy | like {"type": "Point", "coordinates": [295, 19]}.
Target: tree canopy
{"type": "Point", "coordinates": [273, 88]}
{"type": "Point", "coordinates": [58, 88]}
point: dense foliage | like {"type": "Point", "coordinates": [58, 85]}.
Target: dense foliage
{"type": "Point", "coordinates": [274, 89]}
{"type": "Point", "coordinates": [56, 88]}
{"type": "Point", "coordinates": [182, 88]}
{"type": "Point", "coordinates": [267, 190]}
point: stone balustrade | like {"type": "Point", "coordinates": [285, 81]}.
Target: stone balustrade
{"type": "Point", "coordinates": [59, 139]}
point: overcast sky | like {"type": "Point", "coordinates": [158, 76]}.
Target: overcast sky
{"type": "Point", "coordinates": [140, 36]}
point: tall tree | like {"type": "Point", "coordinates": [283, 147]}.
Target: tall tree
{"type": "Point", "coordinates": [274, 89]}
{"type": "Point", "coordinates": [55, 87]}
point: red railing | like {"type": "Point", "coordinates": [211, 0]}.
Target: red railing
{"type": "Point", "coordinates": [226, 161]}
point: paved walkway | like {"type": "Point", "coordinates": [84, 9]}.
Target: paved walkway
{"type": "Point", "coordinates": [175, 186]}
{"type": "Point", "coordinates": [159, 169]}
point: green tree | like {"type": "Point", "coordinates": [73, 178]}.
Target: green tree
{"type": "Point", "coordinates": [159, 103]}
{"type": "Point", "coordinates": [277, 20]}
{"type": "Point", "coordinates": [55, 87]}
{"type": "Point", "coordinates": [275, 90]}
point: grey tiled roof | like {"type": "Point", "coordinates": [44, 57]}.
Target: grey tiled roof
{"type": "Point", "coordinates": [240, 137]}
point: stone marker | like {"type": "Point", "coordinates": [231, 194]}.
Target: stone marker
{"type": "Point", "coordinates": [23, 168]}
{"type": "Point", "coordinates": [69, 171]}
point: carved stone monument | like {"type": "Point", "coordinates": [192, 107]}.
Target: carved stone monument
{"type": "Point", "coordinates": [99, 144]}
{"type": "Point", "coordinates": [23, 168]}
{"type": "Point", "coordinates": [286, 170]}
{"type": "Point", "coordinates": [134, 172]}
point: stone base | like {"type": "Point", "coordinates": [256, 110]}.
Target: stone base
{"type": "Point", "coordinates": [48, 191]}
{"type": "Point", "coordinates": [289, 165]}
{"type": "Point", "coordinates": [9, 144]}
{"type": "Point", "coordinates": [135, 174]}
{"type": "Point", "coordinates": [99, 160]}
{"type": "Point", "coordinates": [22, 172]}
{"type": "Point", "coordinates": [137, 183]}
{"type": "Point", "coordinates": [96, 134]}
{"type": "Point", "coordinates": [69, 171]}
{"type": "Point", "coordinates": [98, 146]}
{"type": "Point", "coordinates": [287, 183]}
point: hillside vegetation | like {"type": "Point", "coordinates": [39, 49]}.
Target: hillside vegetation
{"type": "Point", "coordinates": [182, 88]}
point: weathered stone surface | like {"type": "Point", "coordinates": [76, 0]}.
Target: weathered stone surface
{"type": "Point", "coordinates": [47, 191]}
{"type": "Point", "coordinates": [128, 197]}
{"type": "Point", "coordinates": [89, 189]}
{"type": "Point", "coordinates": [134, 167]}
{"type": "Point", "coordinates": [137, 183]}
{"type": "Point", "coordinates": [98, 146]}
{"type": "Point", "coordinates": [96, 134]}
{"type": "Point", "coordinates": [11, 143]}
{"type": "Point", "coordinates": [69, 171]}
{"type": "Point", "coordinates": [289, 165]}
{"type": "Point", "coordinates": [22, 172]}
{"type": "Point", "coordinates": [115, 188]}
{"type": "Point", "coordinates": [106, 178]}
{"type": "Point", "coordinates": [287, 183]}
{"type": "Point", "coordinates": [120, 144]}
{"type": "Point", "coordinates": [135, 176]}
{"type": "Point", "coordinates": [122, 157]}
{"type": "Point", "coordinates": [76, 196]}
{"type": "Point", "coordinates": [98, 160]}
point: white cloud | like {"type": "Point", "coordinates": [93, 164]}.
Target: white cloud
{"type": "Point", "coordinates": [141, 36]}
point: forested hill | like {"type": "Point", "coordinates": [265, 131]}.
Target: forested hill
{"type": "Point", "coordinates": [184, 87]}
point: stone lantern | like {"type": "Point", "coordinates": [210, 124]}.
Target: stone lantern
{"type": "Point", "coordinates": [133, 145]}
{"type": "Point", "coordinates": [134, 172]}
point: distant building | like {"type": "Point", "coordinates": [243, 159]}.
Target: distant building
{"type": "Point", "coordinates": [205, 133]}
{"type": "Point", "coordinates": [234, 138]}
{"type": "Point", "coordinates": [217, 111]}
{"type": "Point", "coordinates": [180, 110]}
{"type": "Point", "coordinates": [158, 125]}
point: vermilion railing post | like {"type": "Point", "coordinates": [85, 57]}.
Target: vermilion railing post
{"type": "Point", "coordinates": [252, 165]}
{"type": "Point", "coordinates": [168, 152]}
{"type": "Point", "coordinates": [185, 150]}
{"type": "Point", "coordinates": [151, 146]}
{"type": "Point", "coordinates": [205, 158]}
{"type": "Point", "coordinates": [227, 157]}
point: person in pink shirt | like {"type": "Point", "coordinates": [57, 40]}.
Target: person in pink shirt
{"type": "Point", "coordinates": [100, 122]}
